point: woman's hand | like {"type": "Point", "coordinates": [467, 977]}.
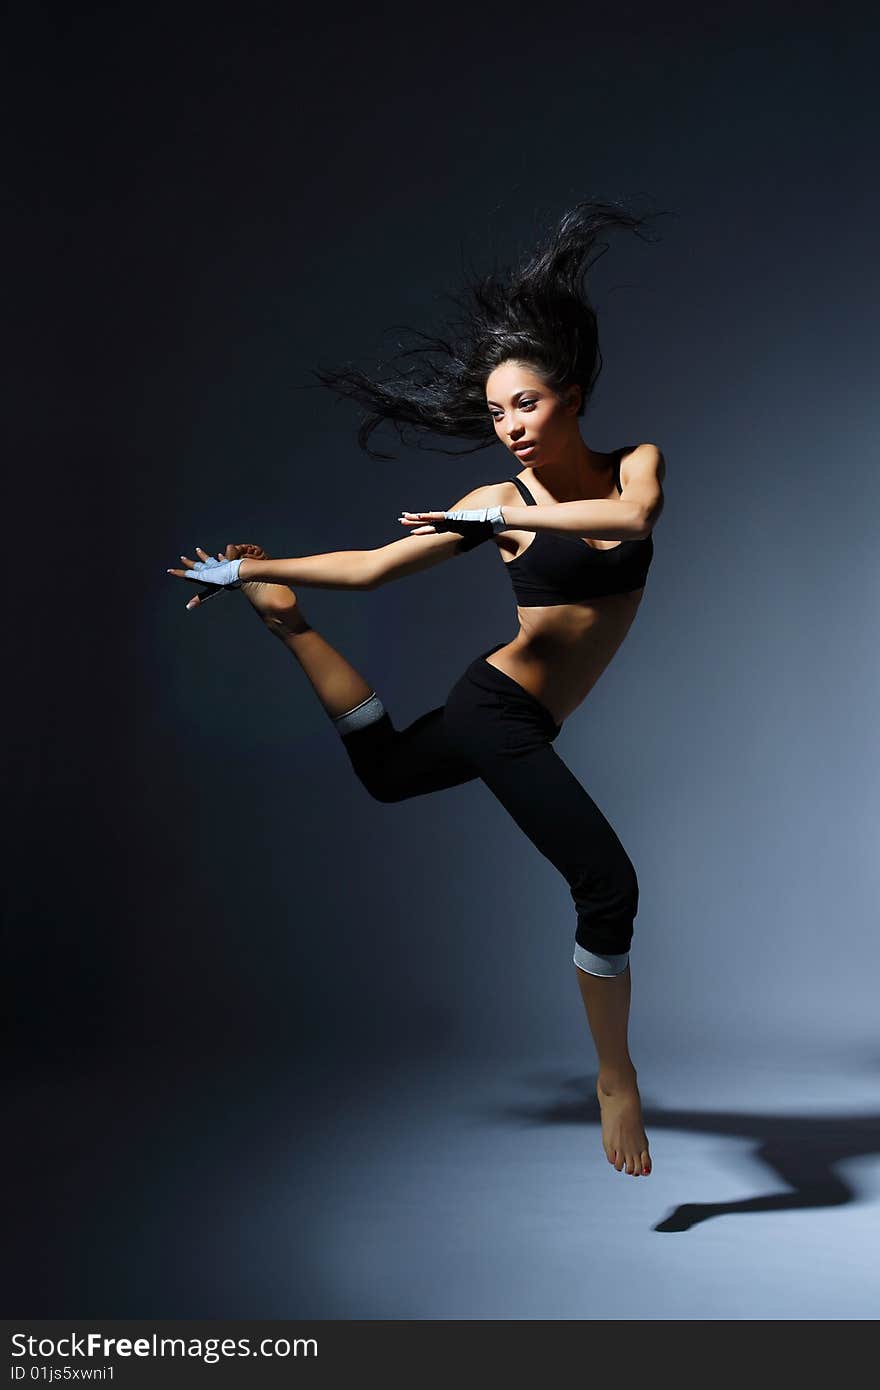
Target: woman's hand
{"type": "Point", "coordinates": [222, 572]}
{"type": "Point", "coordinates": [475, 525]}
{"type": "Point", "coordinates": [205, 569]}
{"type": "Point", "coordinates": [423, 523]}
{"type": "Point", "coordinates": [271, 601]}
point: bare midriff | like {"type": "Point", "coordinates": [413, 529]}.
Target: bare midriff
{"type": "Point", "coordinates": [561, 650]}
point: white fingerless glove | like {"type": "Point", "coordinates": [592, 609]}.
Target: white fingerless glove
{"type": "Point", "coordinates": [223, 573]}
{"type": "Point", "coordinates": [490, 515]}
{"type": "Point", "coordinates": [474, 526]}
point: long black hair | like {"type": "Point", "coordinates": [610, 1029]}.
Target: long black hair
{"type": "Point", "coordinates": [538, 314]}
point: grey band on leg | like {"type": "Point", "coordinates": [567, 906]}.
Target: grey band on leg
{"type": "Point", "coordinates": [592, 964]}
{"type": "Point", "coordinates": [367, 712]}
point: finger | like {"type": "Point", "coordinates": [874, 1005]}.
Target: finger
{"type": "Point", "coordinates": [203, 558]}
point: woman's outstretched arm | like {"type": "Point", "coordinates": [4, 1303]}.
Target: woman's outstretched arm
{"type": "Point", "coordinates": [357, 569]}
{"type": "Point", "coordinates": [338, 569]}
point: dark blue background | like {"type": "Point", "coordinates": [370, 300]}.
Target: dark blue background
{"type": "Point", "coordinates": [201, 208]}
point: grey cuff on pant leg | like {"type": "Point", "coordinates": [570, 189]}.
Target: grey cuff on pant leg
{"type": "Point", "coordinates": [367, 712]}
{"type": "Point", "coordinates": [592, 964]}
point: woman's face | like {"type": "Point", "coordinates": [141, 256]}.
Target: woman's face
{"type": "Point", "coordinates": [527, 412]}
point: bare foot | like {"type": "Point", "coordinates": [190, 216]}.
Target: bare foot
{"type": "Point", "coordinates": [623, 1135]}
{"type": "Point", "coordinates": [275, 603]}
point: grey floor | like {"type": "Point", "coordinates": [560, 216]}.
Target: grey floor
{"type": "Point", "coordinates": [346, 1187]}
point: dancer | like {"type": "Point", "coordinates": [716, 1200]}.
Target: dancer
{"type": "Point", "coordinates": [574, 529]}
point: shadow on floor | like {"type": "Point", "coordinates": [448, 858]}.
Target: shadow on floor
{"type": "Point", "coordinates": [800, 1149]}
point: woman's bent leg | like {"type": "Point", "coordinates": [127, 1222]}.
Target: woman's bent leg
{"type": "Point", "coordinates": [507, 735]}
{"type": "Point", "coordinates": [395, 764]}
{"type": "Point", "coordinates": [564, 823]}
{"type": "Point", "coordinates": [392, 764]}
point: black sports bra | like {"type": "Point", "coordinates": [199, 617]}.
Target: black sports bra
{"type": "Point", "coordinates": [558, 568]}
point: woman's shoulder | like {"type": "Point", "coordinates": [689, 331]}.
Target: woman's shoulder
{"type": "Point", "coordinates": [496, 494]}
{"type": "Point", "coordinates": [488, 495]}
{"type": "Point", "coordinates": [645, 457]}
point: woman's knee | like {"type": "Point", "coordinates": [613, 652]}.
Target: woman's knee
{"type": "Point", "coordinates": [607, 903]}
{"type": "Point", "coordinates": [371, 750]}
{"type": "Point", "coordinates": [395, 765]}
{"type": "Point", "coordinates": [610, 888]}
{"type": "Point", "coordinates": [385, 790]}
{"type": "Point", "coordinates": [380, 779]}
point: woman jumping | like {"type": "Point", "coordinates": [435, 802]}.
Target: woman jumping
{"type": "Point", "coordinates": [574, 529]}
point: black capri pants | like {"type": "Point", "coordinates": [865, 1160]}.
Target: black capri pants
{"type": "Point", "coordinates": [493, 729]}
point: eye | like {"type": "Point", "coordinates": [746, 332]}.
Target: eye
{"type": "Point", "coordinates": [524, 405]}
